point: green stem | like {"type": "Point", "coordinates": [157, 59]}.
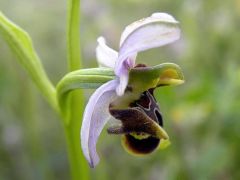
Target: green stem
{"type": "Point", "coordinates": [73, 35]}
{"type": "Point", "coordinates": [79, 167]}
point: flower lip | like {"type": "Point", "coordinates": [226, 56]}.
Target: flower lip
{"type": "Point", "coordinates": [136, 146]}
{"type": "Point", "coordinates": [142, 116]}
{"type": "Point", "coordinates": [149, 106]}
{"type": "Point", "coordinates": [141, 125]}
{"type": "Point", "coordinates": [134, 120]}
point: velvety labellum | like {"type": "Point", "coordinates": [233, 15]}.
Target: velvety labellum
{"type": "Point", "coordinates": [141, 124]}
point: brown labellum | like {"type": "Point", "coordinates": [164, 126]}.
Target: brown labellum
{"type": "Point", "coordinates": [140, 124]}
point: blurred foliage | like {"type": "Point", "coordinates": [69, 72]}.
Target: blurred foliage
{"type": "Point", "coordinates": [201, 116]}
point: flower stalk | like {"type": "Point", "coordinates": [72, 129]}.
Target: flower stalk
{"type": "Point", "coordinates": [79, 169]}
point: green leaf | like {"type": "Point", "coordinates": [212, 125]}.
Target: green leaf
{"type": "Point", "coordinates": [80, 79]}
{"type": "Point", "coordinates": [21, 45]}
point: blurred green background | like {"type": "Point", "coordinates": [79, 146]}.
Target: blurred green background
{"type": "Point", "coordinates": [202, 116]}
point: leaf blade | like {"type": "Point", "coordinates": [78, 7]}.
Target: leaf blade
{"type": "Point", "coordinates": [21, 44]}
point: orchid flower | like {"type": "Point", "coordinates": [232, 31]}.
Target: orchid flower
{"type": "Point", "coordinates": [125, 96]}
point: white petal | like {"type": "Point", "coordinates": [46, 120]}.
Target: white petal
{"type": "Point", "coordinates": [106, 56]}
{"type": "Point", "coordinates": [155, 17]}
{"type": "Point", "coordinates": [157, 30]}
{"type": "Point", "coordinates": [124, 73]}
{"type": "Point", "coordinates": [123, 84]}
{"type": "Point", "coordinates": [96, 115]}
{"type": "Point", "coordinates": [164, 17]}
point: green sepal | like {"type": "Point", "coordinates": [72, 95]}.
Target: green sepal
{"type": "Point", "coordinates": [144, 78]}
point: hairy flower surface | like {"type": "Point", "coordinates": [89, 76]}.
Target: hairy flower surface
{"type": "Point", "coordinates": [116, 97]}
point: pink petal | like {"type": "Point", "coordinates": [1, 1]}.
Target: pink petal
{"type": "Point", "coordinates": [123, 79]}
{"type": "Point", "coordinates": [106, 56]}
{"type": "Point", "coordinates": [123, 75]}
{"type": "Point", "coordinates": [95, 117]}
{"type": "Point", "coordinates": [155, 17]}
{"type": "Point", "coordinates": [158, 30]}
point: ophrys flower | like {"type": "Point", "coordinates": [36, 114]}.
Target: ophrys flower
{"type": "Point", "coordinates": [154, 31]}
